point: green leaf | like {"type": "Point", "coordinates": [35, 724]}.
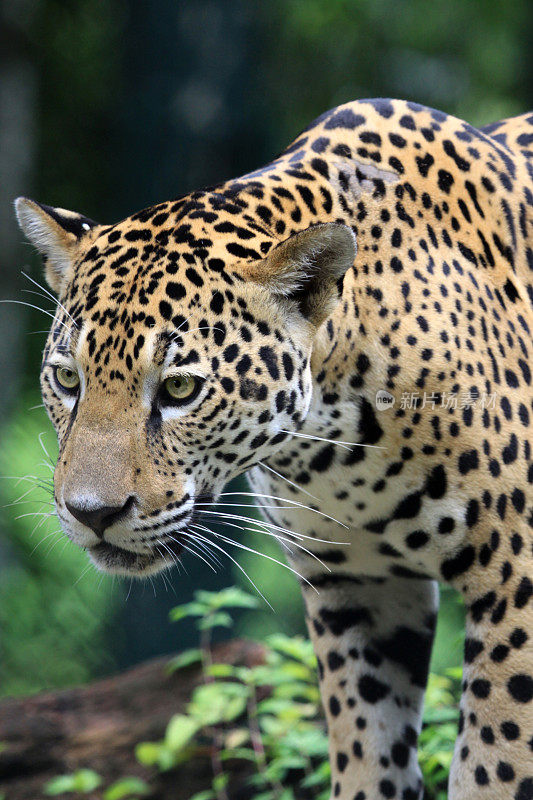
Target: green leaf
{"type": "Point", "coordinates": [86, 780]}
{"type": "Point", "coordinates": [286, 709]}
{"type": "Point", "coordinates": [179, 732]}
{"type": "Point", "coordinates": [188, 610]}
{"type": "Point", "coordinates": [267, 675]}
{"type": "Point", "coordinates": [276, 772]}
{"type": "Point", "coordinates": [307, 738]}
{"type": "Point", "coordinates": [288, 762]}
{"type": "Point", "coordinates": [299, 691]}
{"type": "Point", "coordinates": [321, 774]}
{"type": "Point", "coordinates": [298, 671]}
{"type": "Point", "coordinates": [126, 788]}
{"type": "Point", "coordinates": [147, 753]}
{"type": "Point", "coordinates": [234, 709]}
{"type": "Point", "coordinates": [219, 620]}
{"type": "Point", "coordinates": [207, 794]}
{"type": "Point", "coordinates": [220, 782]}
{"type": "Point", "coordinates": [271, 726]}
{"type": "Point", "coordinates": [185, 659]}
{"type": "Point", "coordinates": [59, 785]}
{"type": "Point", "coordinates": [293, 646]}
{"type": "Point", "coordinates": [82, 781]}
{"type": "Point", "coordinates": [168, 759]}
{"type": "Point", "coordinates": [218, 702]}
{"type": "Point", "coordinates": [222, 671]}
{"type": "Point", "coordinates": [241, 753]}
{"type": "Point", "coordinates": [231, 597]}
{"type": "Point", "coordinates": [257, 779]}
{"type": "Point", "coordinates": [243, 674]}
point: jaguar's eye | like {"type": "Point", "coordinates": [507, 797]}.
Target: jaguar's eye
{"type": "Point", "coordinates": [181, 388]}
{"type": "Point", "coordinates": [67, 378]}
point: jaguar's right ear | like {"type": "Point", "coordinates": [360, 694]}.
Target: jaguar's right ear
{"type": "Point", "coordinates": [307, 269]}
{"type": "Point", "coordinates": [56, 233]}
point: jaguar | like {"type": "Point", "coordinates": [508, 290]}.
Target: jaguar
{"type": "Point", "coordinates": [350, 326]}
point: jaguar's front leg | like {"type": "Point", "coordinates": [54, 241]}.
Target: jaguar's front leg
{"type": "Point", "coordinates": [493, 757]}
{"type": "Point", "coordinates": [373, 639]}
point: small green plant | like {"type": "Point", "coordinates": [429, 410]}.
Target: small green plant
{"type": "Point", "coordinates": [127, 789]}
{"type": "Point", "coordinates": [85, 781]}
{"type": "Point", "coordinates": [267, 718]}
{"type": "Point", "coordinates": [278, 731]}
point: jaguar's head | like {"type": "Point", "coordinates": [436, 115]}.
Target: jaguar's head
{"type": "Point", "coordinates": [179, 356]}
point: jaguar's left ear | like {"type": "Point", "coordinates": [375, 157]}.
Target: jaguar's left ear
{"type": "Point", "coordinates": [307, 267]}
{"type": "Point", "coordinates": [56, 233]}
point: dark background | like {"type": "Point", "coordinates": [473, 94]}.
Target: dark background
{"type": "Point", "coordinates": [106, 107]}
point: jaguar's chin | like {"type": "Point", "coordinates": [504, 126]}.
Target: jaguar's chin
{"type": "Point", "coordinates": [118, 561]}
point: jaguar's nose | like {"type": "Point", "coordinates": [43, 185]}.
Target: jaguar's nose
{"type": "Point", "coordinates": [98, 517]}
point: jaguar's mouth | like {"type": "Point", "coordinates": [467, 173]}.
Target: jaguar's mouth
{"type": "Point", "coordinates": [111, 558]}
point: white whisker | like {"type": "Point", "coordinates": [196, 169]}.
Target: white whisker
{"type": "Point", "coordinates": [294, 503]}
{"type": "Point", "coordinates": [47, 454]}
{"type": "Point", "coordinates": [169, 551]}
{"type": "Point", "coordinates": [208, 553]}
{"type": "Point", "coordinates": [240, 518]}
{"type": "Point", "coordinates": [35, 514]}
{"type": "Point", "coordinates": [221, 549]}
{"type": "Point", "coordinates": [43, 540]}
{"type": "Point", "coordinates": [33, 478]}
{"type": "Point", "coordinates": [191, 330]}
{"type": "Point", "coordinates": [278, 538]}
{"type": "Point", "coordinates": [283, 478]}
{"type": "Point", "coordinates": [345, 445]}
{"type": "Point", "coordinates": [166, 582]}
{"type": "Point", "coordinates": [190, 550]}
{"type": "Point", "coordinates": [21, 498]}
{"type": "Point", "coordinates": [264, 555]}
{"type": "Point", "coordinates": [48, 295]}
{"type": "Point", "coordinates": [62, 307]}
{"type": "Point", "coordinates": [37, 308]}
{"type": "Point", "coordinates": [55, 545]}
{"type": "Point", "coordinates": [82, 574]}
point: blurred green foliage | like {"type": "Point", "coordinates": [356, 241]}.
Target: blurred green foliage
{"type": "Point", "coordinates": [471, 59]}
{"type": "Point", "coordinates": [54, 613]}
{"type": "Point", "coordinates": [266, 721]}
{"type": "Point", "coordinates": [137, 101]}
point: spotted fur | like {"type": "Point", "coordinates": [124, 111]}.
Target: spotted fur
{"type": "Point", "coordinates": [256, 288]}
